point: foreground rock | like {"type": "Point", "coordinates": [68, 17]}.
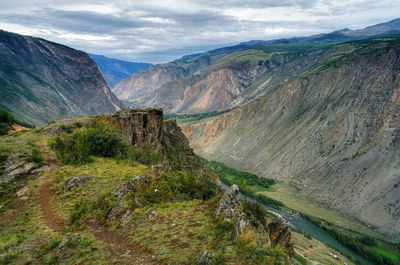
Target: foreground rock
{"type": "Point", "coordinates": [281, 234]}
{"type": "Point", "coordinates": [228, 205]}
{"type": "Point", "coordinates": [75, 182]}
{"type": "Point", "coordinates": [206, 258]}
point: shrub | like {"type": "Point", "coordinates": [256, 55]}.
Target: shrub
{"type": "Point", "coordinates": [6, 117]}
{"type": "Point", "coordinates": [98, 140]}
{"type": "Point", "coordinates": [35, 156]}
{"type": "Point", "coordinates": [176, 185]}
{"type": "Point", "coordinates": [256, 213]}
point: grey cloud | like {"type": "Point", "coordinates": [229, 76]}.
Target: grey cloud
{"type": "Point", "coordinates": [159, 31]}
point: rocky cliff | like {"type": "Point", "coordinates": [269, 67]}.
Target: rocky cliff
{"type": "Point", "coordinates": [333, 132]}
{"type": "Point", "coordinates": [139, 127]}
{"type": "Point", "coordinates": [41, 81]}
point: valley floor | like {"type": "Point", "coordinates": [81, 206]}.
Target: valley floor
{"type": "Point", "coordinates": [292, 199]}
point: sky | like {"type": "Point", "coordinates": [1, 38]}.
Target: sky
{"type": "Point", "coordinates": [163, 30]}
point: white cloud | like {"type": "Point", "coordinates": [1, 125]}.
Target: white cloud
{"type": "Point", "coordinates": [162, 30]}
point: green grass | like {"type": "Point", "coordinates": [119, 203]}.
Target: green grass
{"type": "Point", "coordinates": [249, 184]}
{"type": "Point", "coordinates": [300, 259]}
{"type": "Point", "coordinates": [185, 119]}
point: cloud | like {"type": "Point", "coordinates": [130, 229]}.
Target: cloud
{"type": "Point", "coordinates": [163, 30]}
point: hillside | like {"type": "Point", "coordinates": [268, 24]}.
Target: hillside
{"type": "Point", "coordinates": [224, 78]}
{"type": "Point", "coordinates": [115, 70]}
{"type": "Point", "coordinates": [41, 81]}
{"type": "Point", "coordinates": [126, 188]}
{"type": "Point", "coordinates": [332, 132]}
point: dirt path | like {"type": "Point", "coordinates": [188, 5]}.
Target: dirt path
{"type": "Point", "coordinates": [120, 246]}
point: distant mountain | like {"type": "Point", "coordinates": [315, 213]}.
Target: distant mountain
{"type": "Point", "coordinates": [115, 70]}
{"type": "Point", "coordinates": [41, 80]}
{"type": "Point", "coordinates": [231, 76]}
{"type": "Point", "coordinates": [333, 131]}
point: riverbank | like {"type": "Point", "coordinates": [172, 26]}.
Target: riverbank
{"type": "Point", "coordinates": [348, 236]}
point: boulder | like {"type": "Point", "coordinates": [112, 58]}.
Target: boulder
{"type": "Point", "coordinates": [228, 204]}
{"type": "Point", "coordinates": [206, 258]}
{"type": "Point", "coordinates": [75, 182]}
{"type": "Point", "coordinates": [130, 186]}
{"type": "Point", "coordinates": [281, 234]}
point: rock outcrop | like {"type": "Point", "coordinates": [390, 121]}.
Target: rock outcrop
{"type": "Point", "coordinates": [227, 206]}
{"type": "Point", "coordinates": [140, 127]}
{"type": "Point", "coordinates": [75, 182]}
{"type": "Point", "coordinates": [241, 224]}
{"type": "Point", "coordinates": [281, 234]}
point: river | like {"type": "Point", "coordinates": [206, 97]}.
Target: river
{"type": "Point", "coordinates": [298, 223]}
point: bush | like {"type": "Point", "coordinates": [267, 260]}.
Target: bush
{"type": "Point", "coordinates": [176, 185]}
{"type": "Point", "coordinates": [6, 119]}
{"type": "Point", "coordinates": [98, 140]}
{"type": "Point", "coordinates": [35, 156]}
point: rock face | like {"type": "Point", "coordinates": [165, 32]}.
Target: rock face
{"type": "Point", "coordinates": [280, 234]}
{"type": "Point", "coordinates": [139, 127]}
{"type": "Point", "coordinates": [333, 133]}
{"type": "Point", "coordinates": [42, 80]}
{"type": "Point", "coordinates": [228, 204]}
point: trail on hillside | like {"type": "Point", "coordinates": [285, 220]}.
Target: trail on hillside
{"type": "Point", "coordinates": [120, 245]}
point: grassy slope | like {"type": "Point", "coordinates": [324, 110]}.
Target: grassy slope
{"type": "Point", "coordinates": [177, 233]}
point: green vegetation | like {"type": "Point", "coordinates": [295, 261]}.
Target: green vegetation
{"type": "Point", "coordinates": [193, 118]}
{"type": "Point", "coordinates": [98, 139]}
{"type": "Point", "coordinates": [300, 259]}
{"type": "Point", "coordinates": [376, 250]}
{"type": "Point", "coordinates": [6, 119]}
{"type": "Point", "coordinates": [249, 184]}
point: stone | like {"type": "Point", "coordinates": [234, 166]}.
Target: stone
{"type": "Point", "coordinates": [23, 192]}
{"type": "Point", "coordinates": [75, 182]}
{"type": "Point", "coordinates": [281, 234]}
{"type": "Point", "coordinates": [117, 212]}
{"type": "Point", "coordinates": [206, 258]}
{"type": "Point", "coordinates": [241, 224]}
{"type": "Point", "coordinates": [130, 186]}
{"type": "Point", "coordinates": [228, 204]}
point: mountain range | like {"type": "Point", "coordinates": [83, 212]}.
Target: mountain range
{"type": "Point", "coordinates": [228, 77]}
{"type": "Point", "coordinates": [115, 70]}
{"type": "Point", "coordinates": [320, 113]}
{"type": "Point", "coordinates": [41, 80]}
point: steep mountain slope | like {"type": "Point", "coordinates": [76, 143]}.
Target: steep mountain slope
{"type": "Point", "coordinates": [228, 77]}
{"type": "Point", "coordinates": [333, 132]}
{"type": "Point", "coordinates": [41, 80]}
{"type": "Point", "coordinates": [115, 70]}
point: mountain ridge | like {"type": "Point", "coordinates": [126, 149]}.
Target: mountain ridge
{"type": "Point", "coordinates": [42, 80]}
{"type": "Point", "coordinates": [114, 70]}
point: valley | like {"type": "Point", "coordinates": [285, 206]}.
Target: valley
{"type": "Point", "coordinates": [275, 152]}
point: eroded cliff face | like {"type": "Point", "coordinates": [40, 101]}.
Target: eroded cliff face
{"type": "Point", "coordinates": [145, 128]}
{"type": "Point", "coordinates": [140, 127]}
{"type": "Point", "coordinates": [42, 81]}
{"type": "Point", "coordinates": [333, 133]}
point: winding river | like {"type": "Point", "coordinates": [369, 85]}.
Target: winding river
{"type": "Point", "coordinates": [298, 223]}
